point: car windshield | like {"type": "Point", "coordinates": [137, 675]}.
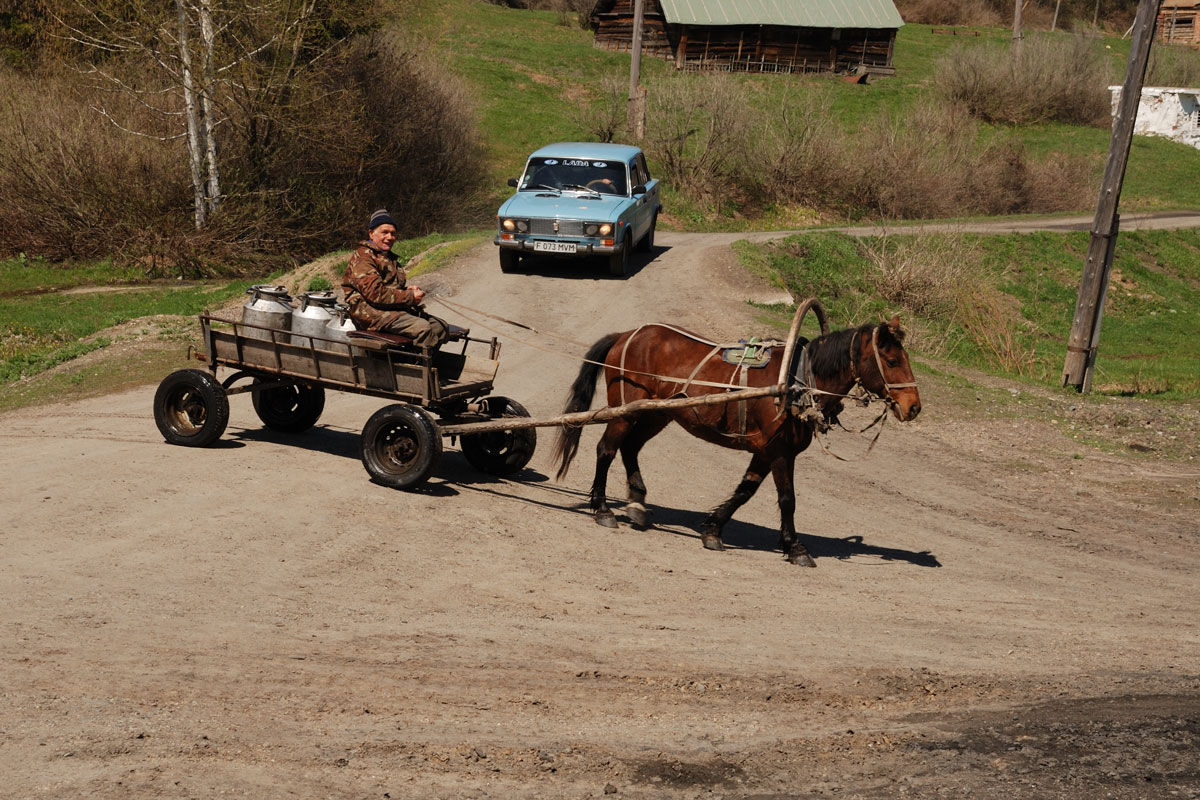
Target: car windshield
{"type": "Point", "coordinates": [575, 174]}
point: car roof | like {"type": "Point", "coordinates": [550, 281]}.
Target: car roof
{"type": "Point", "coordinates": [623, 152]}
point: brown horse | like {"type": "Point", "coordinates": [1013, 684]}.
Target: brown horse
{"type": "Point", "coordinates": [660, 361]}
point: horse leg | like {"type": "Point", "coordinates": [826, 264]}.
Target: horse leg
{"type": "Point", "coordinates": [606, 451]}
{"type": "Point", "coordinates": [645, 428]}
{"type": "Point", "coordinates": [710, 530]}
{"type": "Point", "coordinates": [783, 471]}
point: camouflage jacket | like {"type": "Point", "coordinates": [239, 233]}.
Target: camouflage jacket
{"type": "Point", "coordinates": [375, 283]}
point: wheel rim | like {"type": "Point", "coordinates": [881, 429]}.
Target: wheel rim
{"type": "Point", "coordinates": [397, 448]}
{"type": "Point", "coordinates": [186, 411]}
{"type": "Point", "coordinates": [282, 401]}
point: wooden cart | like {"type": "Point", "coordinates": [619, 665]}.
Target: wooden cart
{"type": "Point", "coordinates": [287, 376]}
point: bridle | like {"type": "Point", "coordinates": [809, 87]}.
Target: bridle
{"type": "Point", "coordinates": [887, 387]}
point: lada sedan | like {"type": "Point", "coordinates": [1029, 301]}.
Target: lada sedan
{"type": "Point", "coordinates": [580, 199]}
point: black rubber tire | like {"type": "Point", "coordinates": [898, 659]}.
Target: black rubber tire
{"type": "Point", "coordinates": [289, 409]}
{"type": "Point", "coordinates": [501, 452]}
{"type": "Point", "coordinates": [510, 260]}
{"type": "Point", "coordinates": [191, 408]}
{"type": "Point", "coordinates": [400, 446]}
{"type": "Point", "coordinates": [647, 242]}
{"type": "Point", "coordinates": [618, 262]}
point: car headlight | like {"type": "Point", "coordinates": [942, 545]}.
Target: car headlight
{"type": "Point", "coordinates": [597, 229]}
{"type": "Point", "coordinates": [518, 225]}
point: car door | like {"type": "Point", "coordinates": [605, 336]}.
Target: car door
{"type": "Point", "coordinates": [645, 203]}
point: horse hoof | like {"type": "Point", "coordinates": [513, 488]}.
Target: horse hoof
{"type": "Point", "coordinates": [801, 559]}
{"type": "Point", "coordinates": [608, 520]}
{"type": "Point", "coordinates": [711, 542]}
{"type": "Point", "coordinates": [637, 516]}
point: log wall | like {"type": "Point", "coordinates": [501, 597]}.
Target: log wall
{"type": "Point", "coordinates": [1179, 25]}
{"type": "Point", "coordinates": [752, 48]}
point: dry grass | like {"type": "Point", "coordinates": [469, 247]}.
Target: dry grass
{"type": "Point", "coordinates": [939, 278]}
{"type": "Point", "coordinates": [1045, 81]}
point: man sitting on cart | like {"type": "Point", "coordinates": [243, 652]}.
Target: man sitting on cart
{"type": "Point", "coordinates": [378, 293]}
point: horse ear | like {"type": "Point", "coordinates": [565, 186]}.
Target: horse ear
{"type": "Point", "coordinates": [893, 327]}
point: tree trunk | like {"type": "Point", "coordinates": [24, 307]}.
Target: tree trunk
{"type": "Point", "coordinates": [194, 134]}
{"type": "Point", "coordinates": [213, 189]}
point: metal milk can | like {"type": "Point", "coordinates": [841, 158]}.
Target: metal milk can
{"type": "Point", "coordinates": [268, 306]}
{"type": "Point", "coordinates": [339, 327]}
{"type": "Point", "coordinates": [312, 317]}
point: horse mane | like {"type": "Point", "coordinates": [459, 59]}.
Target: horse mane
{"type": "Point", "coordinates": [829, 355]}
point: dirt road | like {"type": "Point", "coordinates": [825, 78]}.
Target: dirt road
{"type": "Point", "coordinates": [996, 611]}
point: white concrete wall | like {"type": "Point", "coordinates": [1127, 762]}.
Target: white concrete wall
{"type": "Point", "coordinates": [1165, 111]}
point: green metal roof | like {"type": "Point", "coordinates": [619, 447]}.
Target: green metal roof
{"type": "Point", "coordinates": [800, 13]}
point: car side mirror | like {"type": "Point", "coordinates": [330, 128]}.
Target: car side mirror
{"type": "Point", "coordinates": [512, 182]}
{"type": "Point", "coordinates": [639, 189]}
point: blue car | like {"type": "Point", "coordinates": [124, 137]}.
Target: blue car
{"type": "Point", "coordinates": [580, 199]}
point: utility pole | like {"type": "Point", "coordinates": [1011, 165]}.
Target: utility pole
{"type": "Point", "coordinates": [1085, 326]}
{"type": "Point", "coordinates": [636, 120]}
{"type": "Point", "coordinates": [1017, 35]}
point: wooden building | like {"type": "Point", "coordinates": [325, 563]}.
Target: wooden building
{"type": "Point", "coordinates": [1177, 22]}
{"type": "Point", "coordinates": [757, 35]}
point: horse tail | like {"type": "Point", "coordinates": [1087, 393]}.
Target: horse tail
{"type": "Point", "coordinates": [580, 399]}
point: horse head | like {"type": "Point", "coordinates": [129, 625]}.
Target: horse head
{"type": "Point", "coordinates": [883, 369]}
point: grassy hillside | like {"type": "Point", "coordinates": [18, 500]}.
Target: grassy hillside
{"type": "Point", "coordinates": [1004, 304]}
{"type": "Point", "coordinates": [535, 78]}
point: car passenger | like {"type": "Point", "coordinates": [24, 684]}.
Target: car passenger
{"type": "Point", "coordinates": [378, 293]}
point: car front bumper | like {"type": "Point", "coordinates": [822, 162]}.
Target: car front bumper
{"type": "Point", "coordinates": [526, 245]}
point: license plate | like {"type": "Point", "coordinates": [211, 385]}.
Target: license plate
{"type": "Point", "coordinates": [554, 247]}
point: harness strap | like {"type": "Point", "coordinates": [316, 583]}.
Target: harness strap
{"type": "Point", "coordinates": [744, 375]}
{"type": "Point", "coordinates": [624, 350]}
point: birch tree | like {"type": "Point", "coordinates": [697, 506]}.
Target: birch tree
{"type": "Point", "coordinates": [200, 56]}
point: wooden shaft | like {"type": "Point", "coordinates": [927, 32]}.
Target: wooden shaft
{"type": "Point", "coordinates": [611, 412]}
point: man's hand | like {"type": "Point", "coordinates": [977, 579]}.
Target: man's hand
{"type": "Point", "coordinates": [418, 293]}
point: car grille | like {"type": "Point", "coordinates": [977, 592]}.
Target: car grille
{"type": "Point", "coordinates": [566, 227]}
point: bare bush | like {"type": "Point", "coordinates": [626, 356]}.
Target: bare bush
{"type": "Point", "coordinates": [73, 189]}
{"type": "Point", "coordinates": [699, 129]}
{"type": "Point", "coordinates": [380, 125]}
{"type": "Point", "coordinates": [939, 278]}
{"type": "Point", "coordinates": [409, 142]}
{"type": "Point", "coordinates": [927, 275]}
{"type": "Point", "coordinates": [1043, 81]}
{"type": "Point", "coordinates": [604, 118]}
{"type": "Point", "coordinates": [913, 165]}
{"type": "Point", "coordinates": [994, 326]}
{"type": "Point", "coordinates": [933, 162]}
{"type": "Point", "coordinates": [797, 152]}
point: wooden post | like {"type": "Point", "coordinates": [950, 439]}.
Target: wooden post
{"type": "Point", "coordinates": [681, 50]}
{"type": "Point", "coordinates": [1085, 326]}
{"type": "Point", "coordinates": [636, 111]}
{"type": "Point", "coordinates": [1017, 35]}
{"type": "Point", "coordinates": [1054, 22]}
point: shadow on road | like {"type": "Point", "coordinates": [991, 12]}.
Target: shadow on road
{"type": "Point", "coordinates": [591, 267]}
{"type": "Point", "coordinates": [747, 536]}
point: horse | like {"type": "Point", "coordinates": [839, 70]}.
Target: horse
{"type": "Point", "coordinates": [658, 361]}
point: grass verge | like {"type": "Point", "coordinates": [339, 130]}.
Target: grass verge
{"type": "Point", "coordinates": [1004, 304]}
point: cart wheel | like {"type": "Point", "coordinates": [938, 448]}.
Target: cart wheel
{"type": "Point", "coordinates": [400, 446]}
{"type": "Point", "coordinates": [191, 408]}
{"type": "Point", "coordinates": [289, 409]}
{"type": "Point", "coordinates": [501, 452]}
